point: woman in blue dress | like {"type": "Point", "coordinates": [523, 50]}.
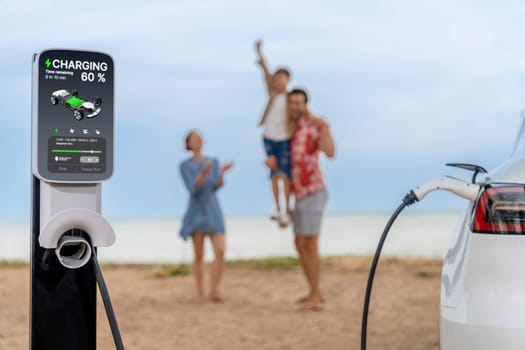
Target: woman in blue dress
{"type": "Point", "coordinates": [203, 177]}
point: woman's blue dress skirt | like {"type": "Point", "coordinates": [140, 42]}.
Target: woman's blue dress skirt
{"type": "Point", "coordinates": [204, 214]}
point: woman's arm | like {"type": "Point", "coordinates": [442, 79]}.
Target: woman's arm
{"type": "Point", "coordinates": [220, 179]}
{"type": "Point", "coordinates": [194, 183]}
{"type": "Point", "coordinates": [203, 175]}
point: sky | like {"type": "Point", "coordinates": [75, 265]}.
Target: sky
{"type": "Point", "coordinates": [406, 86]}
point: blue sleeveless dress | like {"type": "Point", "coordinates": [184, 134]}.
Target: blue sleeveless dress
{"type": "Point", "coordinates": [204, 213]}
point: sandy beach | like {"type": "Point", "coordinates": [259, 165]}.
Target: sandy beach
{"type": "Point", "coordinates": [156, 307]}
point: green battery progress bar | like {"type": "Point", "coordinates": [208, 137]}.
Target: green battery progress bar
{"type": "Point", "coordinates": [73, 151]}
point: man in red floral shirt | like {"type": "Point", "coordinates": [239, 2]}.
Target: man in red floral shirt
{"type": "Point", "coordinates": [311, 136]}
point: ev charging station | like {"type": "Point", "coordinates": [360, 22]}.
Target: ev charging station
{"type": "Point", "coordinates": [72, 153]}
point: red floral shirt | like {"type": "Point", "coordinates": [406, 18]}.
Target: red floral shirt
{"type": "Point", "coordinates": [306, 171]}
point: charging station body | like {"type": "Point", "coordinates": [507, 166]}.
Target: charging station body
{"type": "Point", "coordinates": [72, 152]}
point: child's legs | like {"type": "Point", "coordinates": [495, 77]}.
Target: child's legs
{"type": "Point", "coordinates": [287, 190]}
{"type": "Point", "coordinates": [275, 190]}
{"type": "Point", "coordinates": [272, 162]}
{"type": "Point", "coordinates": [285, 169]}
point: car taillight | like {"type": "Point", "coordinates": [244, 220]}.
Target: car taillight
{"type": "Point", "coordinates": [500, 210]}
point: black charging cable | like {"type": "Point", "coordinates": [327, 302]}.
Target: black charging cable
{"type": "Point", "coordinates": [107, 303]}
{"type": "Point", "coordinates": [409, 199]}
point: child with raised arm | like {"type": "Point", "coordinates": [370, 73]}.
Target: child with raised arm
{"type": "Point", "coordinates": [276, 134]}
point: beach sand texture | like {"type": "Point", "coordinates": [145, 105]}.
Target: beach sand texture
{"type": "Point", "coordinates": [159, 311]}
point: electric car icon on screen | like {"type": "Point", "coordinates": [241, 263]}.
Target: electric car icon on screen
{"type": "Point", "coordinates": [81, 107]}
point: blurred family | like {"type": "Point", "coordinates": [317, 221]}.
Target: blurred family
{"type": "Point", "coordinates": [293, 139]}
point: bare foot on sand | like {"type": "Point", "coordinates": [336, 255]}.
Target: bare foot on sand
{"type": "Point", "coordinates": [312, 303]}
{"type": "Point", "coordinates": [310, 307]}
{"type": "Point", "coordinates": [305, 299]}
{"type": "Point", "coordinates": [216, 298]}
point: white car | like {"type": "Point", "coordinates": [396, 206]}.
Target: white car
{"type": "Point", "coordinates": [482, 303]}
{"type": "Point", "coordinates": [483, 277]}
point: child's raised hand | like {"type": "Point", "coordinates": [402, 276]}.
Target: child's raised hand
{"type": "Point", "coordinates": [258, 45]}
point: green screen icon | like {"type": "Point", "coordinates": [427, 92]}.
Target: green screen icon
{"type": "Point", "coordinates": [75, 101]}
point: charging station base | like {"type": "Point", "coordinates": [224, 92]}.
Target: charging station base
{"type": "Point", "coordinates": [63, 301]}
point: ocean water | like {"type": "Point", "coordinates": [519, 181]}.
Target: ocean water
{"type": "Point", "coordinates": [157, 241]}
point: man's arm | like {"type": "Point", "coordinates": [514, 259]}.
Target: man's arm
{"type": "Point", "coordinates": [264, 65]}
{"type": "Point", "coordinates": [326, 143]}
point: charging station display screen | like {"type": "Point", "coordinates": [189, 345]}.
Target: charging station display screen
{"type": "Point", "coordinates": [73, 116]}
